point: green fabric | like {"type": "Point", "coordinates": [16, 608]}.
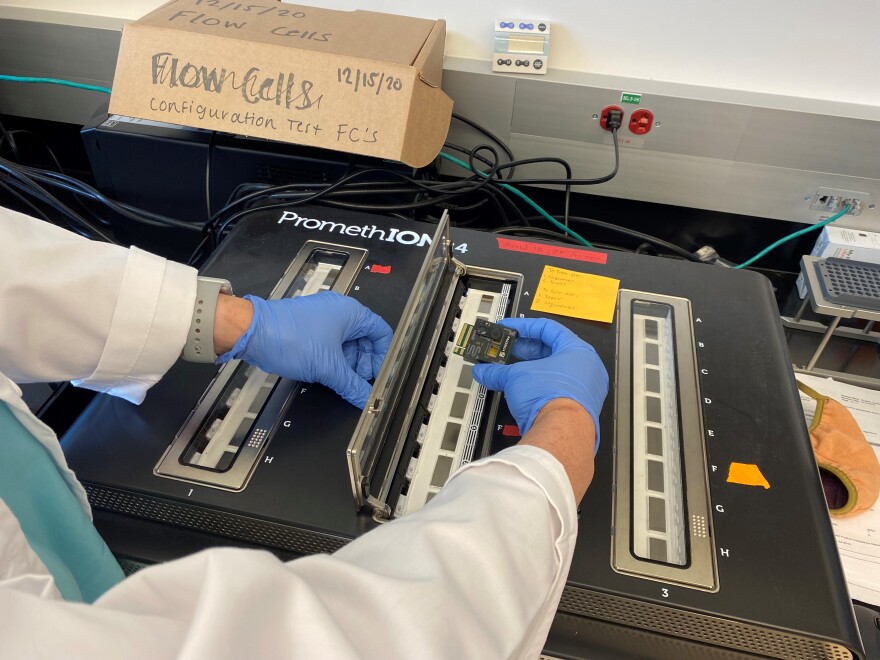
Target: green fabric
{"type": "Point", "coordinates": [820, 400]}
{"type": "Point", "coordinates": [53, 522]}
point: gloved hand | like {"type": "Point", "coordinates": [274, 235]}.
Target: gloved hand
{"type": "Point", "coordinates": [323, 338]}
{"type": "Point", "coordinates": [557, 364]}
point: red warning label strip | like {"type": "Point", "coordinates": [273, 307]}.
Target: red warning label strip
{"type": "Point", "coordinates": [576, 254]}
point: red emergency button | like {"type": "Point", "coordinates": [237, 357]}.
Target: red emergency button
{"type": "Point", "coordinates": [510, 431]}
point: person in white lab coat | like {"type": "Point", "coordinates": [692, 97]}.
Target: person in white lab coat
{"type": "Point", "coordinates": [477, 573]}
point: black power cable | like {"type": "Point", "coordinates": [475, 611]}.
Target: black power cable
{"type": "Point", "coordinates": [487, 188]}
{"type": "Point", "coordinates": [448, 191]}
{"type": "Point", "coordinates": [561, 182]}
{"type": "Point", "coordinates": [487, 179]}
{"type": "Point", "coordinates": [7, 137]}
{"type": "Point", "coordinates": [81, 189]}
{"type": "Point", "coordinates": [632, 233]}
{"type": "Point", "coordinates": [501, 143]}
{"type": "Point", "coordinates": [23, 183]}
{"type": "Point", "coordinates": [37, 211]}
{"type": "Point", "coordinates": [208, 159]}
{"type": "Point", "coordinates": [540, 232]}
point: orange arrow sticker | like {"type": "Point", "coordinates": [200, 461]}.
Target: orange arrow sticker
{"type": "Point", "coordinates": [746, 474]}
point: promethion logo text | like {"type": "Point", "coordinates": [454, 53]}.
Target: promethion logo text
{"type": "Point", "coordinates": [391, 235]}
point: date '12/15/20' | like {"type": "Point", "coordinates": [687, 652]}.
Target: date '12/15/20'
{"type": "Point", "coordinates": [375, 81]}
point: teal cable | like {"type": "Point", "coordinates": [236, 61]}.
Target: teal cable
{"type": "Point", "coordinates": [800, 232]}
{"type": "Point", "coordinates": [523, 197]}
{"type": "Point", "coordinates": [55, 81]}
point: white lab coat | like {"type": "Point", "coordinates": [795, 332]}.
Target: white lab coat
{"type": "Point", "coordinates": [476, 574]}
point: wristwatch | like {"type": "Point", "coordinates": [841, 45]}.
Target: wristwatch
{"type": "Point", "coordinates": [200, 338]}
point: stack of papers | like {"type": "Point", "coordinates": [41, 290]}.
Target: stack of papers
{"type": "Point", "coordinates": [858, 538]}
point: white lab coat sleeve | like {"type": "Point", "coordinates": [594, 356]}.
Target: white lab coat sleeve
{"type": "Point", "coordinates": [478, 573]}
{"type": "Point", "coordinates": [108, 318]}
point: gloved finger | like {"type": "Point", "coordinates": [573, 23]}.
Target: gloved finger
{"type": "Point", "coordinates": [376, 363]}
{"type": "Point", "coordinates": [343, 380]}
{"type": "Point", "coordinates": [530, 349]}
{"type": "Point", "coordinates": [350, 352]}
{"type": "Point", "coordinates": [359, 356]}
{"type": "Point", "coordinates": [492, 376]}
{"type": "Point", "coordinates": [373, 353]}
{"type": "Point", "coordinates": [371, 336]}
{"type": "Point", "coordinates": [364, 367]}
{"type": "Point", "coordinates": [372, 327]}
{"type": "Point", "coordinates": [359, 394]}
{"type": "Point", "coordinates": [551, 333]}
{"type": "Point", "coordinates": [525, 348]}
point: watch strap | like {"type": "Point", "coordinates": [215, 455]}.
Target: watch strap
{"type": "Point", "coordinates": [199, 345]}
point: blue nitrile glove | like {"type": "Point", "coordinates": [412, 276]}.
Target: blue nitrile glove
{"type": "Point", "coordinates": [557, 364]}
{"type": "Point", "coordinates": [323, 338]}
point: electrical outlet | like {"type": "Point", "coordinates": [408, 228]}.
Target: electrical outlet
{"type": "Point", "coordinates": [641, 121]}
{"type": "Point", "coordinates": [832, 200]}
{"type": "Point", "coordinates": [603, 117]}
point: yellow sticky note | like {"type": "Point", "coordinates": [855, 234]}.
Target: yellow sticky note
{"type": "Point", "coordinates": [746, 474]}
{"type": "Point", "coordinates": [581, 295]}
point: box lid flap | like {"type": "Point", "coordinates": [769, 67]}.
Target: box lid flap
{"type": "Point", "coordinates": [429, 62]}
{"type": "Point", "coordinates": [371, 35]}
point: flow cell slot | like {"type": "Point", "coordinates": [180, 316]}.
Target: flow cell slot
{"type": "Point", "coordinates": [448, 440]}
{"type": "Point", "coordinates": [660, 453]}
{"type": "Point", "coordinates": [218, 442]}
{"type": "Point", "coordinates": [658, 511]}
{"type": "Point", "coordinates": [216, 445]}
{"type": "Point", "coordinates": [224, 436]}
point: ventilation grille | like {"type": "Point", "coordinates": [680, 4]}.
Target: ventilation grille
{"type": "Point", "coordinates": [130, 566]}
{"type": "Point", "coordinates": [259, 532]}
{"type": "Point", "coordinates": [606, 640]}
{"type": "Point", "coordinates": [282, 174]}
{"type": "Point", "coordinates": [698, 627]}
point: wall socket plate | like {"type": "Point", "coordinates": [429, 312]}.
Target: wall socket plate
{"type": "Point", "coordinates": [832, 200]}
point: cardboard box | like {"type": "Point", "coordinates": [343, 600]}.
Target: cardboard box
{"type": "Point", "coordinates": [358, 81]}
{"type": "Point", "coordinates": [842, 243]}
